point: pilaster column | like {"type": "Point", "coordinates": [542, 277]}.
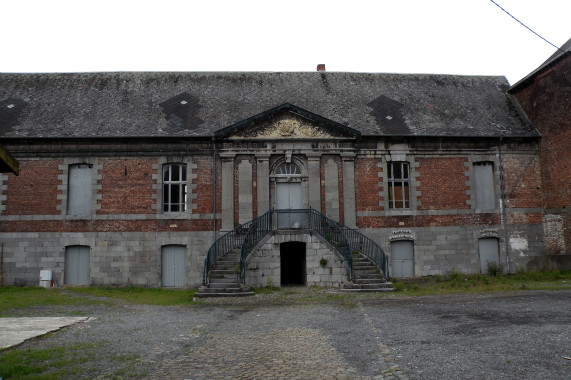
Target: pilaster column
{"type": "Point", "coordinates": [263, 183]}
{"type": "Point", "coordinates": [349, 209]}
{"type": "Point", "coordinates": [314, 176]}
{"type": "Point", "coordinates": [227, 191]}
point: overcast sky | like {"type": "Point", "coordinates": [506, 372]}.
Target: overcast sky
{"type": "Point", "coordinates": [472, 37]}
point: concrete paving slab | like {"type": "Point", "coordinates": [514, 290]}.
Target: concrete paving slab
{"type": "Point", "coordinates": [14, 331]}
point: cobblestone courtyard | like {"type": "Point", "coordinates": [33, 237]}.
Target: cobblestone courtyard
{"type": "Point", "coordinates": [519, 335]}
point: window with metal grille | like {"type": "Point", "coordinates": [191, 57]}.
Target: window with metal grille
{"type": "Point", "coordinates": [398, 185]}
{"type": "Point", "coordinates": [174, 188]}
{"type": "Point", "coordinates": [288, 169]}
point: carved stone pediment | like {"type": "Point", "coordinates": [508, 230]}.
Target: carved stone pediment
{"type": "Point", "coordinates": [287, 126]}
{"type": "Point", "coordinates": [287, 122]}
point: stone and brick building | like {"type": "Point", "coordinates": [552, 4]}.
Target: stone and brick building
{"type": "Point", "coordinates": [545, 96]}
{"type": "Point", "coordinates": [129, 178]}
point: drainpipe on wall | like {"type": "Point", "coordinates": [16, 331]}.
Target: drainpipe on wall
{"type": "Point", "coordinates": [504, 208]}
{"type": "Point", "coordinates": [214, 190]}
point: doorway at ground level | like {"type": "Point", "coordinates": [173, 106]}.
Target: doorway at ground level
{"type": "Point", "coordinates": [292, 261]}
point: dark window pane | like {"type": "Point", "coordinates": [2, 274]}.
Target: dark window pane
{"type": "Point", "coordinates": [405, 170]}
{"type": "Point", "coordinates": [174, 173]}
{"type": "Point", "coordinates": [397, 174]}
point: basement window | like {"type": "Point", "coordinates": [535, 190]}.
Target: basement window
{"type": "Point", "coordinates": [174, 188]}
{"type": "Point", "coordinates": [398, 176]}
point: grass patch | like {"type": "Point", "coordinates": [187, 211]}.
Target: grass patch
{"type": "Point", "coordinates": [457, 282]}
{"type": "Point", "coordinates": [77, 361]}
{"type": "Point", "coordinates": [23, 297]}
{"type": "Point", "coordinates": [48, 363]}
{"type": "Point", "coordinates": [141, 296]}
{"type": "Point", "coordinates": [12, 298]}
{"type": "Point", "coordinates": [266, 290]}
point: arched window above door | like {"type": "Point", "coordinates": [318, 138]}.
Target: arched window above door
{"type": "Point", "coordinates": [288, 169]}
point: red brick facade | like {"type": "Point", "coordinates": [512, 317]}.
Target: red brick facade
{"type": "Point", "coordinates": [443, 183]}
{"type": "Point", "coordinates": [126, 187]}
{"type": "Point", "coordinates": [34, 191]}
{"type": "Point", "coordinates": [546, 99]}
{"type": "Point", "coordinates": [367, 191]}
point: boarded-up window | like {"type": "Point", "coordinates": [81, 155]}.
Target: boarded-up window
{"type": "Point", "coordinates": [77, 265]}
{"type": "Point", "coordinates": [484, 185]}
{"type": "Point", "coordinates": [402, 258]}
{"type": "Point", "coordinates": [398, 185]}
{"type": "Point", "coordinates": [174, 188]}
{"type": "Point", "coordinates": [173, 266]}
{"type": "Point", "coordinates": [79, 190]}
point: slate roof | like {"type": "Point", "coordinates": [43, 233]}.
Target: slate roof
{"type": "Point", "coordinates": [135, 104]}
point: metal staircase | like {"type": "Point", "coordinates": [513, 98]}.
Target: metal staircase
{"type": "Point", "coordinates": [225, 263]}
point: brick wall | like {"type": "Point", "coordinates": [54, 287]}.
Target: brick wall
{"type": "Point", "coordinates": [204, 183]}
{"type": "Point", "coordinates": [547, 103]}
{"type": "Point", "coordinates": [126, 187]}
{"type": "Point", "coordinates": [522, 182]}
{"type": "Point", "coordinates": [34, 191]}
{"type": "Point", "coordinates": [367, 191]}
{"type": "Point", "coordinates": [443, 183]}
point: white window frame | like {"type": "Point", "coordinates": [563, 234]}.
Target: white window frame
{"type": "Point", "coordinates": [179, 184]}
{"type": "Point", "coordinates": [405, 188]}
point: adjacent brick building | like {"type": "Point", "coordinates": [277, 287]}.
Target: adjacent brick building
{"type": "Point", "coordinates": [128, 178]}
{"type": "Point", "coordinates": [545, 97]}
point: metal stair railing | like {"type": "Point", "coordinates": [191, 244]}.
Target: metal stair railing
{"type": "Point", "coordinates": [248, 235]}
{"type": "Point", "coordinates": [295, 219]}
{"type": "Point", "coordinates": [224, 244]}
{"type": "Point", "coordinates": [259, 228]}
{"type": "Point", "coordinates": [368, 248]}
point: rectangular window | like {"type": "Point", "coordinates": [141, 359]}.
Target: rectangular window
{"type": "Point", "coordinates": [484, 185]}
{"type": "Point", "coordinates": [79, 190]}
{"type": "Point", "coordinates": [398, 185]}
{"type": "Point", "coordinates": [174, 188]}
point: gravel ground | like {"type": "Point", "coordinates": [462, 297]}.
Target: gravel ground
{"type": "Point", "coordinates": [308, 333]}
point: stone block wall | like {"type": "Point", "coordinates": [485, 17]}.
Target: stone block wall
{"type": "Point", "coordinates": [264, 267]}
{"type": "Point", "coordinates": [128, 258]}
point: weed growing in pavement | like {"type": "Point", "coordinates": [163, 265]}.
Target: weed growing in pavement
{"type": "Point", "coordinates": [266, 290]}
{"type": "Point", "coordinates": [458, 282]}
{"type": "Point", "coordinates": [494, 268]}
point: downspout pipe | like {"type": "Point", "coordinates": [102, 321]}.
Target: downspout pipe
{"type": "Point", "coordinates": [504, 205]}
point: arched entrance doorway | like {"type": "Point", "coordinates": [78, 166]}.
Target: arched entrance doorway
{"type": "Point", "coordinates": [292, 263]}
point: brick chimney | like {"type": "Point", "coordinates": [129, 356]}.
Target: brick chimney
{"type": "Point", "coordinates": [321, 67]}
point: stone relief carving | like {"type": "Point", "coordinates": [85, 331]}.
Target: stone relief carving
{"type": "Point", "coordinates": [286, 128]}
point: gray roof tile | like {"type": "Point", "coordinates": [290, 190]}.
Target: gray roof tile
{"type": "Point", "coordinates": [151, 104]}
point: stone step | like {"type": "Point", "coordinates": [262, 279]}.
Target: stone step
{"type": "Point", "coordinates": [382, 285]}
{"type": "Point", "coordinates": [222, 271]}
{"type": "Point", "coordinates": [233, 284]}
{"type": "Point", "coordinates": [205, 289]}
{"type": "Point", "coordinates": [223, 294]}
{"type": "Point", "coordinates": [371, 290]}
{"type": "Point", "coordinates": [375, 275]}
{"type": "Point", "coordinates": [362, 280]}
{"type": "Point", "coordinates": [215, 280]}
{"type": "Point", "coordinates": [359, 272]}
